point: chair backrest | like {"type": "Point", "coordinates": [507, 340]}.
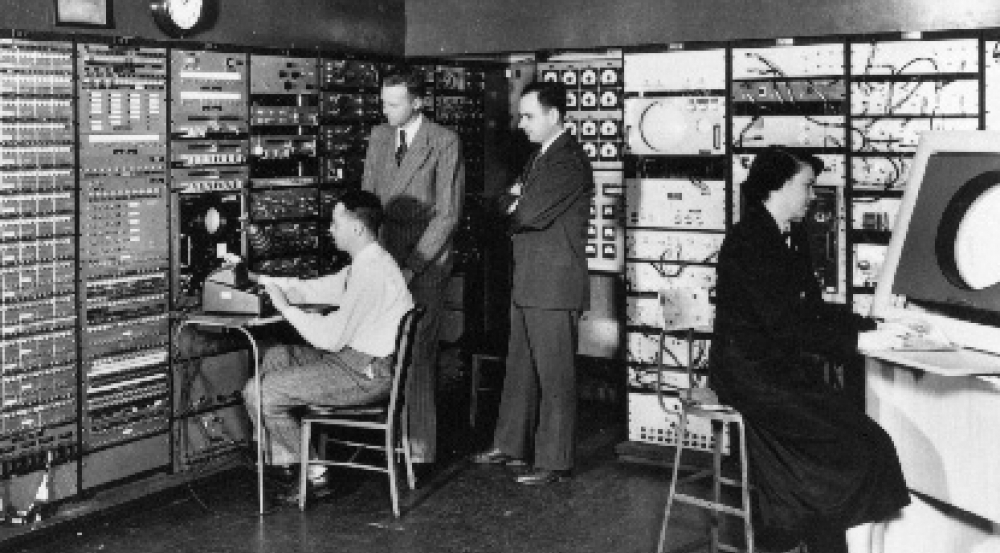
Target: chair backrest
{"type": "Point", "coordinates": [403, 356]}
{"type": "Point", "coordinates": [684, 309]}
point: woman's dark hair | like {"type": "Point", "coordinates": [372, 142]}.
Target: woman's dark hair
{"type": "Point", "coordinates": [772, 168]}
{"type": "Point", "coordinates": [550, 94]}
{"type": "Point", "coordinates": [365, 206]}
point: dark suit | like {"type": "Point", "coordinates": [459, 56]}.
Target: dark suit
{"type": "Point", "coordinates": [422, 198]}
{"type": "Point", "coordinates": [550, 290]}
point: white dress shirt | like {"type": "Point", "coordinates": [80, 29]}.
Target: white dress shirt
{"type": "Point", "coordinates": [547, 143]}
{"type": "Point", "coordinates": [410, 128]}
{"type": "Point", "coordinates": [372, 297]}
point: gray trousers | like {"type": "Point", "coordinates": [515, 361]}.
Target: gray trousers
{"type": "Point", "coordinates": [421, 404]}
{"type": "Point", "coordinates": [294, 376]}
{"type": "Point", "coordinates": [538, 404]}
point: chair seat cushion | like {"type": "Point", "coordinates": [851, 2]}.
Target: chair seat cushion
{"type": "Point", "coordinates": [704, 396]}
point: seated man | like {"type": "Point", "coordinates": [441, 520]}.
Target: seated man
{"type": "Point", "coordinates": [347, 361]}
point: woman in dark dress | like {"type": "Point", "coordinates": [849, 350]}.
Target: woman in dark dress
{"type": "Point", "coordinates": [817, 461]}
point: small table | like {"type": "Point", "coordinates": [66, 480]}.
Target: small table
{"type": "Point", "coordinates": [242, 323]}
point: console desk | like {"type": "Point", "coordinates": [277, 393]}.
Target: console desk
{"type": "Point", "coordinates": [942, 409]}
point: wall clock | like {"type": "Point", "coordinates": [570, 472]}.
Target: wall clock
{"type": "Point", "coordinates": [183, 18]}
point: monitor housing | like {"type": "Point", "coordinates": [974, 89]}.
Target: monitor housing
{"type": "Point", "coordinates": [943, 260]}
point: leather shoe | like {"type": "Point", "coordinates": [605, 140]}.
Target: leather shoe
{"type": "Point", "coordinates": [316, 488]}
{"type": "Point", "coordinates": [540, 477]}
{"type": "Point", "coordinates": [496, 457]}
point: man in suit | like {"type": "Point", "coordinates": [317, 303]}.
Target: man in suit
{"type": "Point", "coordinates": [415, 167]}
{"type": "Point", "coordinates": [548, 210]}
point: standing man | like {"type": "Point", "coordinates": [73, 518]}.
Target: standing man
{"type": "Point", "coordinates": [548, 214]}
{"type": "Point", "coordinates": [415, 167]}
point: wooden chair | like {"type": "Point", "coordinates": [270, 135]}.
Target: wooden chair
{"type": "Point", "coordinates": [387, 416]}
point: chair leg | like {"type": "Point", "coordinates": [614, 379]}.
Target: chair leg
{"type": "Point", "coordinates": [304, 463]}
{"type": "Point", "coordinates": [411, 478]}
{"type": "Point", "coordinates": [474, 389]}
{"type": "Point", "coordinates": [390, 459]}
{"type": "Point", "coordinates": [745, 486]}
{"type": "Point", "coordinates": [718, 430]}
{"type": "Point", "coordinates": [323, 436]}
{"type": "Point", "coordinates": [682, 428]}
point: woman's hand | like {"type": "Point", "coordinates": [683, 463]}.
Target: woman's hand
{"type": "Point", "coordinates": [905, 328]}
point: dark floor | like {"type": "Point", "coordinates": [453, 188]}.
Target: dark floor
{"type": "Point", "coordinates": [607, 507]}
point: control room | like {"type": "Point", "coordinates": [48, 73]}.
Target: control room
{"type": "Point", "coordinates": [494, 276]}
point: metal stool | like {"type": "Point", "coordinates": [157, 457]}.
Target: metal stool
{"type": "Point", "coordinates": [720, 416]}
{"type": "Point", "coordinates": [682, 313]}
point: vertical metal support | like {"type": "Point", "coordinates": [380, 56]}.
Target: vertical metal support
{"type": "Point", "coordinates": [718, 429]}
{"type": "Point", "coordinates": [745, 491]}
{"type": "Point", "coordinates": [257, 378]}
{"type": "Point", "coordinates": [690, 363]}
{"type": "Point", "coordinates": [255, 358]}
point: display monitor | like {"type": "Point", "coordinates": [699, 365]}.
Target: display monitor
{"type": "Point", "coordinates": [943, 261]}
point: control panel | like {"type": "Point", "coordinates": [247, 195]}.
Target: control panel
{"type": "Point", "coordinates": [900, 89]}
{"type": "Point", "coordinates": [209, 163]}
{"type": "Point", "coordinates": [459, 105]}
{"type": "Point", "coordinates": [284, 152]}
{"type": "Point", "coordinates": [38, 318]}
{"type": "Point", "coordinates": [678, 205]}
{"type": "Point", "coordinates": [350, 107]}
{"type": "Point", "coordinates": [124, 251]}
{"type": "Point", "coordinates": [606, 230]}
{"type": "Point", "coordinates": [284, 116]}
{"type": "Point", "coordinates": [594, 100]}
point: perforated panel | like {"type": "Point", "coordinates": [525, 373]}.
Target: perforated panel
{"type": "Point", "coordinates": [649, 423]}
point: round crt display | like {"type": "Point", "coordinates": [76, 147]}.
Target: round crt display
{"type": "Point", "coordinates": [967, 243]}
{"type": "Point", "coordinates": [663, 127]}
{"type": "Point", "coordinates": [977, 241]}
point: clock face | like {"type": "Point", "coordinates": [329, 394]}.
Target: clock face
{"type": "Point", "coordinates": [185, 13]}
{"type": "Point", "coordinates": [182, 18]}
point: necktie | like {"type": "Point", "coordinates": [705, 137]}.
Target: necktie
{"type": "Point", "coordinates": [530, 165]}
{"type": "Point", "coordinates": [518, 189]}
{"type": "Point", "coordinates": [401, 149]}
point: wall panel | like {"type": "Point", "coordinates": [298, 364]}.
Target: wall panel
{"type": "Point", "coordinates": [445, 27]}
{"type": "Point", "coordinates": [372, 26]}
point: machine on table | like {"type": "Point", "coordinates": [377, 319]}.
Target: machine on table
{"type": "Point", "coordinates": [941, 404]}
{"type": "Point", "coordinates": [229, 290]}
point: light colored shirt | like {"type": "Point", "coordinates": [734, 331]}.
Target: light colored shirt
{"type": "Point", "coordinates": [547, 143]}
{"type": "Point", "coordinates": [372, 298]}
{"type": "Point", "coordinates": [410, 128]}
